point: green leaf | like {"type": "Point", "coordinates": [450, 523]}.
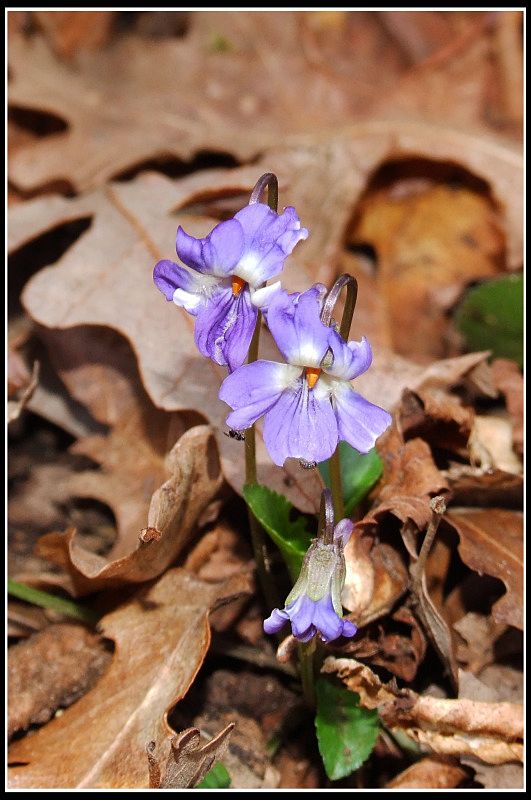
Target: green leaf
{"type": "Point", "coordinates": [273, 511]}
{"type": "Point", "coordinates": [491, 317]}
{"type": "Point", "coordinates": [346, 733]}
{"type": "Point", "coordinates": [359, 473]}
{"type": "Point", "coordinates": [216, 778]}
{"type": "Point", "coordinates": [45, 600]}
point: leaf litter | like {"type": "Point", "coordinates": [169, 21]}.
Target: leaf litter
{"type": "Point", "coordinates": [411, 180]}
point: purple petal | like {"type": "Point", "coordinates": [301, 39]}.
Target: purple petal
{"type": "Point", "coordinates": [224, 327]}
{"type": "Point", "coordinates": [301, 615]}
{"type": "Point", "coordinates": [297, 329]}
{"type": "Point", "coordinates": [343, 531]}
{"type": "Point", "coordinates": [217, 254]}
{"type": "Point", "coordinates": [360, 423]}
{"type": "Point", "coordinates": [268, 239]}
{"type": "Point", "coordinates": [300, 425]}
{"type": "Point", "coordinates": [253, 389]}
{"type": "Point", "coordinates": [276, 621]}
{"type": "Point", "coordinates": [307, 635]}
{"type": "Point", "coordinates": [326, 620]}
{"type": "Point", "coordinates": [350, 359]}
{"type": "Point", "coordinates": [169, 276]}
{"type": "Point", "coordinates": [349, 629]}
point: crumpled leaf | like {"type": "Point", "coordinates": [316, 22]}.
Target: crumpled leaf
{"type": "Point", "coordinates": [22, 387]}
{"type": "Point", "coordinates": [431, 772]}
{"type": "Point", "coordinates": [491, 732]}
{"type": "Point", "coordinates": [491, 444]}
{"type": "Point", "coordinates": [479, 633]}
{"type": "Point", "coordinates": [71, 31]}
{"type": "Point", "coordinates": [188, 760]}
{"type": "Point", "coordinates": [491, 542]}
{"type": "Point", "coordinates": [161, 636]}
{"type": "Point", "coordinates": [376, 577]}
{"type": "Point", "coordinates": [193, 481]}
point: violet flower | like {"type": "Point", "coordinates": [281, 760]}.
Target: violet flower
{"type": "Point", "coordinates": [308, 403]}
{"type": "Point", "coordinates": [225, 267]}
{"type": "Point", "coordinates": [314, 604]}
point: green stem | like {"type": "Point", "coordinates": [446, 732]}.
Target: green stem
{"type": "Point", "coordinates": [307, 668]}
{"type": "Point", "coordinates": [45, 600]}
{"type": "Point", "coordinates": [257, 535]}
{"type": "Point", "coordinates": [336, 484]}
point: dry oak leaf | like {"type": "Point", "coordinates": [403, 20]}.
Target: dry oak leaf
{"type": "Point", "coordinates": [194, 479]}
{"type": "Point", "coordinates": [429, 245]}
{"type": "Point", "coordinates": [431, 772]}
{"type": "Point", "coordinates": [509, 380]}
{"type": "Point", "coordinates": [491, 732]}
{"type": "Point", "coordinates": [188, 760]}
{"type": "Point", "coordinates": [491, 543]}
{"type": "Point", "coordinates": [161, 637]}
{"type": "Point", "coordinates": [246, 105]}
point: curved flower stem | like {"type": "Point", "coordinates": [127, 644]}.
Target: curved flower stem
{"type": "Point", "coordinates": [331, 299]}
{"type": "Point", "coordinates": [307, 668]}
{"type": "Point", "coordinates": [334, 464]}
{"type": "Point", "coordinates": [270, 181]}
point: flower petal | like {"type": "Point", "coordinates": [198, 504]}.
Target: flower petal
{"type": "Point", "coordinates": [300, 614]}
{"type": "Point", "coordinates": [217, 254]}
{"type": "Point", "coordinates": [349, 628]}
{"type": "Point", "coordinates": [224, 327]}
{"type": "Point", "coordinates": [169, 276]}
{"type": "Point", "coordinates": [343, 531]}
{"type": "Point", "coordinates": [350, 359]}
{"type": "Point", "coordinates": [253, 388]}
{"type": "Point", "coordinates": [326, 620]}
{"type": "Point", "coordinates": [300, 425]}
{"type": "Point", "coordinates": [360, 423]}
{"type": "Point", "coordinates": [296, 326]}
{"type": "Point", "coordinates": [268, 239]}
{"type": "Point", "coordinates": [276, 621]}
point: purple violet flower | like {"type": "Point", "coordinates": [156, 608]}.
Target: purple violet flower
{"type": "Point", "coordinates": [314, 604]}
{"type": "Point", "coordinates": [225, 268]}
{"type": "Point", "coordinates": [308, 403]}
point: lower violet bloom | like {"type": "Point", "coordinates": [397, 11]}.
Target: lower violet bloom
{"type": "Point", "coordinates": [225, 267]}
{"type": "Point", "coordinates": [314, 604]}
{"type": "Point", "coordinates": [309, 404]}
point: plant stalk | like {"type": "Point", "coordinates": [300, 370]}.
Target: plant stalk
{"type": "Point", "coordinates": [336, 484]}
{"type": "Point", "coordinates": [307, 668]}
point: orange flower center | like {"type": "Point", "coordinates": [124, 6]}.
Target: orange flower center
{"type": "Point", "coordinates": [237, 285]}
{"type": "Point", "coordinates": [312, 375]}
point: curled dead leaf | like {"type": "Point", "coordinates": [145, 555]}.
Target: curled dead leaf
{"type": "Point", "coordinates": [188, 760]}
{"type": "Point", "coordinates": [491, 732]}
{"type": "Point", "coordinates": [194, 480]}
{"type": "Point", "coordinates": [161, 636]}
{"type": "Point", "coordinates": [491, 542]}
{"type": "Point", "coordinates": [431, 772]}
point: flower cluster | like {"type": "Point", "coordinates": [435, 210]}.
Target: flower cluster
{"type": "Point", "coordinates": [307, 402]}
{"type": "Point", "coordinates": [313, 607]}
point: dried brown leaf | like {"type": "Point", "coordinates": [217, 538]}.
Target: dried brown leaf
{"type": "Point", "coordinates": [376, 577]}
{"type": "Point", "coordinates": [51, 670]}
{"type": "Point", "coordinates": [491, 731]}
{"type": "Point", "coordinates": [69, 32]}
{"type": "Point", "coordinates": [491, 543]}
{"type": "Point", "coordinates": [431, 772]}
{"type": "Point", "coordinates": [510, 382]}
{"type": "Point", "coordinates": [491, 444]}
{"type": "Point", "coordinates": [161, 637]}
{"type": "Point", "coordinates": [429, 245]}
{"type": "Point", "coordinates": [188, 760]}
{"type": "Point", "coordinates": [193, 480]}
{"type": "Point", "coordinates": [479, 634]}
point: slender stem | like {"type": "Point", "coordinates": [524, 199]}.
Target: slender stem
{"type": "Point", "coordinates": [51, 601]}
{"type": "Point", "coordinates": [306, 663]}
{"type": "Point", "coordinates": [438, 507]}
{"type": "Point", "coordinates": [336, 484]}
{"type": "Point", "coordinates": [270, 181]}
